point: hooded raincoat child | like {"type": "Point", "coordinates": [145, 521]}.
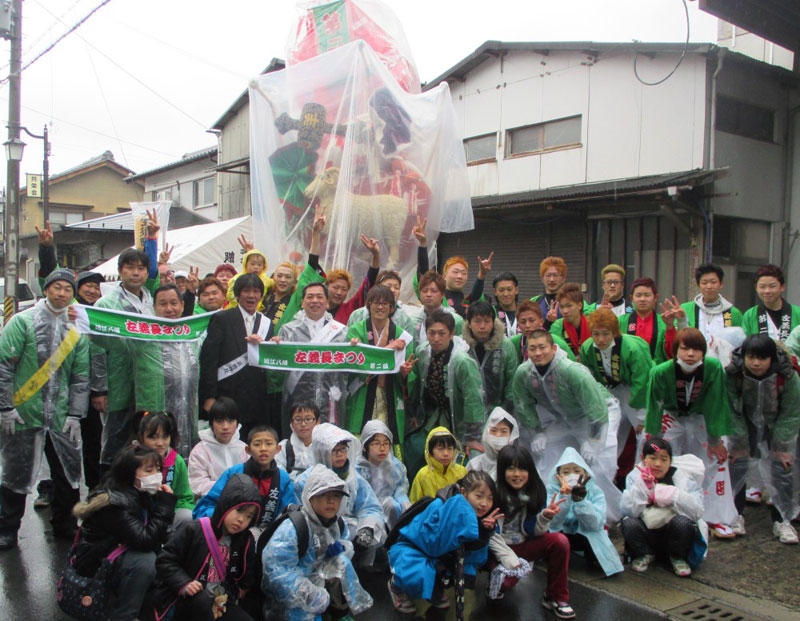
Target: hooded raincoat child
{"type": "Point", "coordinates": [297, 584]}
{"type": "Point", "coordinates": [186, 557]}
{"type": "Point", "coordinates": [587, 517]}
{"type": "Point", "coordinates": [262, 274]}
{"type": "Point", "coordinates": [360, 509]}
{"type": "Point", "coordinates": [492, 445]}
{"type": "Point", "coordinates": [210, 458]}
{"type": "Point", "coordinates": [389, 479]}
{"type": "Point", "coordinates": [434, 477]}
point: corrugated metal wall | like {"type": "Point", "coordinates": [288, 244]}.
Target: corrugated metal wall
{"type": "Point", "coordinates": [519, 248]}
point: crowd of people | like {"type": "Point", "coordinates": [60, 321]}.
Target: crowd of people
{"type": "Point", "coordinates": [514, 431]}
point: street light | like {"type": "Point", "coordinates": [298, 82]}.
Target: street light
{"type": "Point", "coordinates": [14, 149]}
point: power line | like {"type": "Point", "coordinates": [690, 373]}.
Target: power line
{"type": "Point", "coordinates": [94, 131]}
{"type": "Point", "coordinates": [678, 64]}
{"type": "Point", "coordinates": [63, 36]}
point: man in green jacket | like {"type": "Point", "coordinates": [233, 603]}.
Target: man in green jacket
{"type": "Point", "coordinates": [44, 393]}
{"type": "Point", "coordinates": [444, 390]}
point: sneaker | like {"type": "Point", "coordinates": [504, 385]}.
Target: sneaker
{"type": "Point", "coordinates": [785, 532]}
{"type": "Point", "coordinates": [43, 501]}
{"type": "Point", "coordinates": [680, 567]}
{"type": "Point", "coordinates": [8, 541]}
{"type": "Point", "coordinates": [641, 563]}
{"type": "Point", "coordinates": [561, 609]}
{"type": "Point", "coordinates": [738, 526]}
{"type": "Point", "coordinates": [401, 601]}
{"type": "Point", "coordinates": [442, 602]}
{"type": "Point", "coordinates": [721, 531]}
{"type": "Point", "coordinates": [753, 495]}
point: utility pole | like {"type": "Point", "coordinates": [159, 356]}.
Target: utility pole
{"type": "Point", "coordinates": [12, 179]}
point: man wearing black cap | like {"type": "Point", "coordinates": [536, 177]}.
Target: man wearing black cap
{"type": "Point", "coordinates": [44, 390]}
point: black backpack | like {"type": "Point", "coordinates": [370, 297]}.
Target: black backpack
{"type": "Point", "coordinates": [406, 518]}
{"type": "Point", "coordinates": [295, 514]}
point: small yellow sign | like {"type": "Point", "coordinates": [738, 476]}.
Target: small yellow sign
{"type": "Point", "coordinates": [34, 186]}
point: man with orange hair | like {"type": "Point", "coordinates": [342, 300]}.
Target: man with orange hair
{"type": "Point", "coordinates": [572, 326]}
{"type": "Point", "coordinates": [622, 364]}
{"type": "Point", "coordinates": [553, 271]}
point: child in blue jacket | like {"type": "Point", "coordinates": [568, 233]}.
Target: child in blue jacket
{"type": "Point", "coordinates": [274, 485]}
{"type": "Point", "coordinates": [461, 515]}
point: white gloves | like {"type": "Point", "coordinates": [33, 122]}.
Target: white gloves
{"type": "Point", "coordinates": [73, 429]}
{"type": "Point", "coordinates": [8, 421]}
{"type": "Point", "coordinates": [538, 445]}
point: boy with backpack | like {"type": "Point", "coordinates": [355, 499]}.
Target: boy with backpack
{"type": "Point", "coordinates": [301, 551]}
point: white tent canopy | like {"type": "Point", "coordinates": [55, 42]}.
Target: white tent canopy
{"type": "Point", "coordinates": [204, 246]}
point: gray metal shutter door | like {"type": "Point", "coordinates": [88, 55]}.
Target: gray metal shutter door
{"type": "Point", "coordinates": [519, 248]}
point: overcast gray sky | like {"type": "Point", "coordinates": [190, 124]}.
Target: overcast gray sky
{"type": "Point", "coordinates": [145, 79]}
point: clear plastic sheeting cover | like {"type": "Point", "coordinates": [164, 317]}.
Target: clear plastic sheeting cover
{"type": "Point", "coordinates": [337, 133]}
{"type": "Point", "coordinates": [324, 26]}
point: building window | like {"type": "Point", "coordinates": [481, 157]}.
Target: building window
{"type": "Point", "coordinates": [481, 148]}
{"type": "Point", "coordinates": [744, 119]}
{"type": "Point", "coordinates": [203, 192]}
{"type": "Point", "coordinates": [544, 136]}
{"type": "Point", "coordinates": [65, 217]}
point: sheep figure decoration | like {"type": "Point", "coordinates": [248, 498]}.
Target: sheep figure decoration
{"type": "Point", "coordinates": [380, 216]}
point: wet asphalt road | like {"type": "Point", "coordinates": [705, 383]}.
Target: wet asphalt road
{"type": "Point", "coordinates": [28, 575]}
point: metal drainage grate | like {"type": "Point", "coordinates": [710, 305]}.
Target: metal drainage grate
{"type": "Point", "coordinates": [706, 610]}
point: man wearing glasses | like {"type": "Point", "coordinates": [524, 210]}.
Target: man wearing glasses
{"type": "Point", "coordinates": [612, 278]}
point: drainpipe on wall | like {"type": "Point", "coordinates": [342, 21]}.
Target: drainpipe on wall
{"type": "Point", "coordinates": [712, 148]}
{"type": "Point", "coordinates": [789, 236]}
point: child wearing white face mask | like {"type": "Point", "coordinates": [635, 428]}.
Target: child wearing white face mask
{"type": "Point", "coordinates": [126, 510]}
{"type": "Point", "coordinates": [500, 430]}
{"type": "Point", "coordinates": [583, 514]}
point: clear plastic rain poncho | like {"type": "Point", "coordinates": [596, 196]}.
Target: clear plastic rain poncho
{"type": "Point", "coordinates": [337, 133]}
{"type": "Point", "coordinates": [567, 407]}
{"type": "Point", "coordinates": [766, 421]}
{"type": "Point", "coordinates": [361, 508]}
{"type": "Point", "coordinates": [297, 585]}
{"type": "Point", "coordinates": [166, 377]}
{"type": "Point", "coordinates": [327, 389]}
{"type": "Point", "coordinates": [26, 343]}
{"type": "Point", "coordinates": [388, 479]}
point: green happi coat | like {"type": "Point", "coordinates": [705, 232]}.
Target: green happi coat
{"type": "Point", "coordinates": [657, 352]}
{"type": "Point", "coordinates": [632, 355]}
{"type": "Point", "coordinates": [750, 320]}
{"type": "Point", "coordinates": [711, 402]}
{"type": "Point", "coordinates": [358, 389]}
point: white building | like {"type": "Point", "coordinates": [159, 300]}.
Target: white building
{"type": "Point", "coordinates": [572, 154]}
